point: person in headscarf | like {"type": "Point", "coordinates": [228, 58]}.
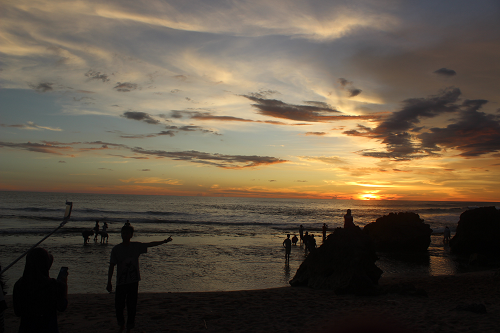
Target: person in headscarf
{"type": "Point", "coordinates": [348, 220]}
{"type": "Point", "coordinates": [37, 297]}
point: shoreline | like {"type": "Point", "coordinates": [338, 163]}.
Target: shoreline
{"type": "Point", "coordinates": [288, 309]}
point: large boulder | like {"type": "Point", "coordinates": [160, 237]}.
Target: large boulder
{"type": "Point", "coordinates": [478, 231]}
{"type": "Point", "coordinates": [345, 263]}
{"type": "Point", "coordinates": [399, 232]}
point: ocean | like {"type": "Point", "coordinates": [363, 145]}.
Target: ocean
{"type": "Point", "coordinates": [219, 243]}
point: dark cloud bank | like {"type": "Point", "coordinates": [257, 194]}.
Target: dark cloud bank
{"type": "Point", "coordinates": [473, 133]}
{"type": "Point", "coordinates": [218, 160]}
{"type": "Point", "coordinates": [311, 111]}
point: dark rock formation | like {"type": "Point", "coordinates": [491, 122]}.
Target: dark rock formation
{"type": "Point", "coordinates": [345, 263]}
{"type": "Point", "coordinates": [478, 231]}
{"type": "Point", "coordinates": [399, 232]}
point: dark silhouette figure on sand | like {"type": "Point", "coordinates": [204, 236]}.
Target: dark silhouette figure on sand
{"type": "Point", "coordinates": [294, 240]}
{"type": "Point", "coordinates": [126, 257]}
{"type": "Point", "coordinates": [37, 297]}
{"type": "Point", "coordinates": [86, 236]}
{"type": "Point", "coordinates": [104, 233]}
{"type": "Point", "coordinates": [446, 235]}
{"type": "Point", "coordinates": [287, 244]}
{"type": "Point", "coordinates": [96, 230]}
{"type": "Point", "coordinates": [309, 242]}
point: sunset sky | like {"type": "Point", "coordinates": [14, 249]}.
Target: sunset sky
{"type": "Point", "coordinates": [370, 99]}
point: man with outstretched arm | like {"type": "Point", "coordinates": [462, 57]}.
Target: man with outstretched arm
{"type": "Point", "coordinates": [126, 257]}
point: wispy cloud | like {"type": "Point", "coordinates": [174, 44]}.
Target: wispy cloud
{"type": "Point", "coordinates": [32, 126]}
{"type": "Point", "coordinates": [42, 87]}
{"type": "Point", "coordinates": [125, 86]}
{"type": "Point", "coordinates": [93, 75]}
{"type": "Point", "coordinates": [218, 160]}
{"type": "Point", "coordinates": [152, 180]}
{"type": "Point", "coordinates": [347, 85]}
{"type": "Point", "coordinates": [140, 116]}
{"type": "Point", "coordinates": [445, 72]}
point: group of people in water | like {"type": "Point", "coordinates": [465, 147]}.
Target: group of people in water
{"type": "Point", "coordinates": [96, 231]}
{"type": "Point", "coordinates": [309, 240]}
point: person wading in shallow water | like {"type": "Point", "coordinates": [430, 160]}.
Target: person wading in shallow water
{"type": "Point", "coordinates": [126, 257]}
{"type": "Point", "coordinates": [287, 244]}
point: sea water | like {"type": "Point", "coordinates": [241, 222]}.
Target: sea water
{"type": "Point", "coordinates": [219, 243]}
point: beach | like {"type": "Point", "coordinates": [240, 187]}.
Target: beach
{"type": "Point", "coordinates": [290, 309]}
{"type": "Point", "coordinates": [224, 271]}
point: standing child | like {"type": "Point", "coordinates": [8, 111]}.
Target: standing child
{"type": "Point", "coordinates": [287, 244]}
{"type": "Point", "coordinates": [126, 257]}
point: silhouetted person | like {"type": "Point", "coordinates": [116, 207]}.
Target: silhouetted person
{"type": "Point", "coordinates": [287, 244]}
{"type": "Point", "coordinates": [96, 230]}
{"type": "Point", "coordinates": [348, 220]}
{"type": "Point", "coordinates": [294, 240]}
{"type": "Point", "coordinates": [3, 304]}
{"type": "Point", "coordinates": [37, 297]}
{"type": "Point", "coordinates": [312, 243]}
{"type": "Point", "coordinates": [447, 235]}
{"type": "Point", "coordinates": [324, 228]}
{"type": "Point", "coordinates": [308, 240]}
{"type": "Point", "coordinates": [126, 257]}
{"type": "Point", "coordinates": [104, 233]}
{"type": "Point", "coordinates": [86, 236]}
{"type": "Point", "coordinates": [301, 232]}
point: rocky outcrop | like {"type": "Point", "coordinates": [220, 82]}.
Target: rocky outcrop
{"type": "Point", "coordinates": [478, 231]}
{"type": "Point", "coordinates": [399, 232]}
{"type": "Point", "coordinates": [345, 263]}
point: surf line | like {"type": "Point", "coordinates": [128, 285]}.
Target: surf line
{"type": "Point", "coordinates": [67, 214]}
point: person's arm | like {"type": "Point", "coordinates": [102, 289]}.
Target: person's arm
{"type": "Point", "coordinates": [151, 244]}
{"type": "Point", "coordinates": [111, 269]}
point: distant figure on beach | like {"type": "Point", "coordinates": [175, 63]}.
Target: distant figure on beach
{"type": "Point", "coordinates": [294, 240]}
{"type": "Point", "coordinates": [447, 235]}
{"type": "Point", "coordinates": [104, 233]}
{"type": "Point", "coordinates": [86, 236]}
{"type": "Point", "coordinates": [37, 297]}
{"type": "Point", "coordinates": [126, 257]}
{"type": "Point", "coordinates": [348, 220]}
{"type": "Point", "coordinates": [3, 304]}
{"type": "Point", "coordinates": [127, 223]}
{"type": "Point", "coordinates": [324, 228]}
{"type": "Point", "coordinates": [309, 242]}
{"type": "Point", "coordinates": [312, 243]}
{"type": "Point", "coordinates": [96, 230]}
{"type": "Point", "coordinates": [301, 232]}
{"type": "Point", "coordinates": [287, 244]}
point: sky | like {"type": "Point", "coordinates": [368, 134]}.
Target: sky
{"type": "Point", "coordinates": [365, 100]}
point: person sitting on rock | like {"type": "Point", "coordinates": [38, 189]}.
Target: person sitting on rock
{"type": "Point", "coordinates": [348, 220]}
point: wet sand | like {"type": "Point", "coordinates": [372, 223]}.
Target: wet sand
{"type": "Point", "coordinates": [298, 309]}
